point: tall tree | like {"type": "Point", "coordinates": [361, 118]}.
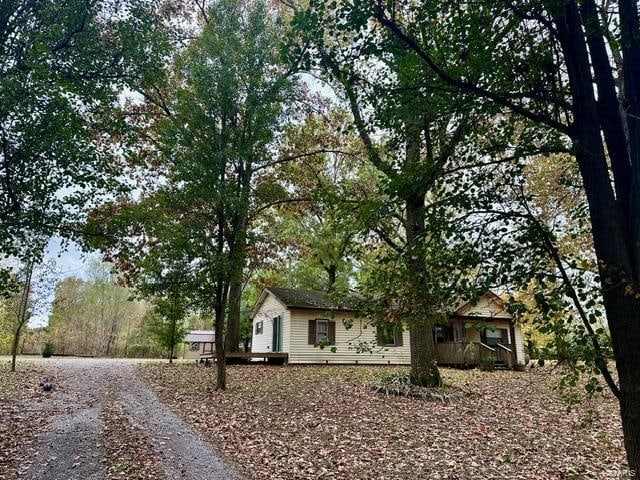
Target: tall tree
{"type": "Point", "coordinates": [411, 129]}
{"type": "Point", "coordinates": [213, 130]}
{"type": "Point", "coordinates": [166, 322]}
{"type": "Point", "coordinates": [312, 218]}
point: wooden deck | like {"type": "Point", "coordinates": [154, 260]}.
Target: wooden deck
{"type": "Point", "coordinates": [265, 357]}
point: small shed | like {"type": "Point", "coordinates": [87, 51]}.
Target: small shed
{"type": "Point", "coordinates": [198, 342]}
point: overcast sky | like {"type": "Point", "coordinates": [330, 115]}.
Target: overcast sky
{"type": "Point", "coordinates": [69, 262]}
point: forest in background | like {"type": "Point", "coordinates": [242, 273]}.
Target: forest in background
{"type": "Point", "coordinates": [94, 317]}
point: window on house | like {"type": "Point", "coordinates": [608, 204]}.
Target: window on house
{"type": "Point", "coordinates": [322, 330]}
{"type": "Point", "coordinates": [493, 336]}
{"type": "Point", "coordinates": [259, 327]}
{"type": "Point", "coordinates": [443, 333]}
{"type": "Point", "coordinates": [389, 335]}
{"type": "Point", "coordinates": [195, 346]}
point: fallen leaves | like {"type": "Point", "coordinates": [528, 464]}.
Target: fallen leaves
{"type": "Point", "coordinates": [23, 406]}
{"type": "Point", "coordinates": [308, 422]}
{"type": "Point", "coordinates": [129, 453]}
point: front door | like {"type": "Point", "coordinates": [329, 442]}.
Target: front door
{"type": "Point", "coordinates": [276, 337]}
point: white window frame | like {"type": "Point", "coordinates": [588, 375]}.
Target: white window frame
{"type": "Point", "coordinates": [325, 335]}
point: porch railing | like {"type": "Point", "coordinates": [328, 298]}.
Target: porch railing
{"type": "Point", "coordinates": [472, 353]}
{"type": "Point", "coordinates": [504, 354]}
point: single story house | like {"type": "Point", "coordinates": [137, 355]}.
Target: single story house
{"type": "Point", "coordinates": [296, 322]}
{"type": "Point", "coordinates": [198, 342]}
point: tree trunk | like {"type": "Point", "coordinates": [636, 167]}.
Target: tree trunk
{"type": "Point", "coordinates": [608, 105]}
{"type": "Point", "coordinates": [424, 367]}
{"type": "Point", "coordinates": [630, 45]}
{"type": "Point", "coordinates": [220, 304]}
{"type": "Point", "coordinates": [624, 320]}
{"type": "Point", "coordinates": [221, 275]}
{"type": "Point", "coordinates": [232, 335]}
{"type": "Point", "coordinates": [22, 314]}
{"type": "Point", "coordinates": [238, 247]}
{"type": "Point", "coordinates": [173, 339]}
{"type": "Point", "coordinates": [14, 348]}
{"type": "Point", "coordinates": [615, 254]}
{"type": "Point", "coordinates": [221, 378]}
{"type": "Point", "coordinates": [629, 372]}
{"type": "Point", "coordinates": [332, 271]}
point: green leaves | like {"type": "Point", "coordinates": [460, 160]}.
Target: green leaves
{"type": "Point", "coordinates": [166, 321]}
{"type": "Point", "coordinates": [64, 65]}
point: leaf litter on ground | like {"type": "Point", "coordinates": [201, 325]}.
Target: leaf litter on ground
{"type": "Point", "coordinates": [308, 422]}
{"type": "Point", "coordinates": [24, 407]}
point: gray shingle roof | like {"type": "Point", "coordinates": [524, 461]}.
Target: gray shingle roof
{"type": "Point", "coordinates": [200, 336]}
{"type": "Point", "coordinates": [295, 298]}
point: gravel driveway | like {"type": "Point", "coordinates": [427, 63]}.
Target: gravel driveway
{"type": "Point", "coordinates": [73, 444]}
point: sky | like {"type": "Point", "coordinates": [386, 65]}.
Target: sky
{"type": "Point", "coordinates": [69, 261]}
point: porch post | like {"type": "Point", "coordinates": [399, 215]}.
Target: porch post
{"type": "Point", "coordinates": [514, 347]}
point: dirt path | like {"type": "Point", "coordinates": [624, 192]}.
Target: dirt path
{"type": "Point", "coordinates": [78, 442]}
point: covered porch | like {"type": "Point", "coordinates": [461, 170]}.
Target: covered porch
{"type": "Point", "coordinates": [470, 341]}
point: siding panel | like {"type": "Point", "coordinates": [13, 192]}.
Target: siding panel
{"type": "Point", "coordinates": [270, 308]}
{"type": "Point", "coordinates": [487, 306]}
{"type": "Point", "coordinates": [346, 341]}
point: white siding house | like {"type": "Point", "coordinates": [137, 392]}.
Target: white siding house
{"type": "Point", "coordinates": [297, 322]}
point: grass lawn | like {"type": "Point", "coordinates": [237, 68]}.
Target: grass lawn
{"type": "Point", "coordinates": [300, 422]}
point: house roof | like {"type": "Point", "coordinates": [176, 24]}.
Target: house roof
{"type": "Point", "coordinates": [199, 336]}
{"type": "Point", "coordinates": [295, 298]}
{"type": "Point", "coordinates": [307, 299]}
{"type": "Point", "coordinates": [317, 300]}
